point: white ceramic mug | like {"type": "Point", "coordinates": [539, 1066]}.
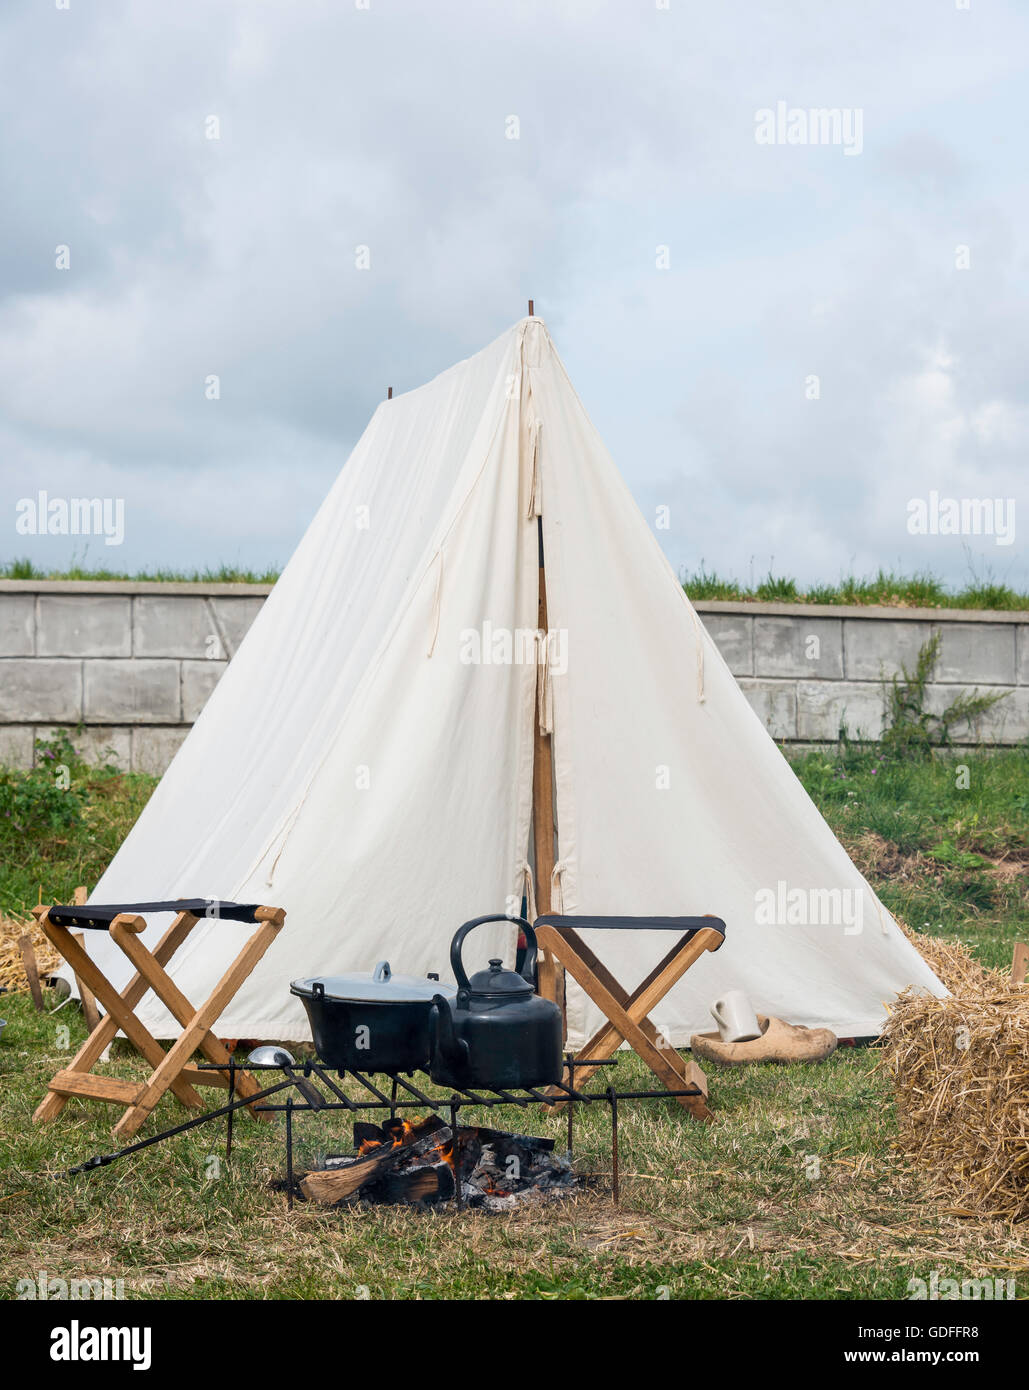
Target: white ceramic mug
{"type": "Point", "coordinates": [735, 1016]}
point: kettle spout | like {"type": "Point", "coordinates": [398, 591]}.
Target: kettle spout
{"type": "Point", "coordinates": [445, 1042]}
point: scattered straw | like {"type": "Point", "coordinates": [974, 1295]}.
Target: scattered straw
{"type": "Point", "coordinates": [955, 965]}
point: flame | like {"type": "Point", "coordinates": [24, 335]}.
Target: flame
{"type": "Point", "coordinates": [368, 1146]}
{"type": "Point", "coordinates": [402, 1133]}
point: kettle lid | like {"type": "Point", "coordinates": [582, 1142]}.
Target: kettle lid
{"type": "Point", "coordinates": [496, 981]}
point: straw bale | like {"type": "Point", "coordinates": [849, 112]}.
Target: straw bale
{"type": "Point", "coordinates": [960, 1069]}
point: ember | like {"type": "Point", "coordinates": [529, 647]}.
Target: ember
{"type": "Point", "coordinates": [414, 1162]}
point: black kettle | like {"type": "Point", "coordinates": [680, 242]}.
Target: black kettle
{"type": "Point", "coordinates": [497, 1032]}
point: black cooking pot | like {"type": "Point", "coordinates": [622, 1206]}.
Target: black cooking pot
{"type": "Point", "coordinates": [497, 1033]}
{"type": "Point", "coordinates": [373, 1021]}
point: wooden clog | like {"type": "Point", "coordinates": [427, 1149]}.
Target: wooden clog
{"type": "Point", "coordinates": [779, 1042]}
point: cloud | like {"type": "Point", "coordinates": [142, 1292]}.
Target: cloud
{"type": "Point", "coordinates": [386, 128]}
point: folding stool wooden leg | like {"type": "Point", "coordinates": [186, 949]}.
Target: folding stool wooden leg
{"type": "Point", "coordinates": [89, 1009]}
{"type": "Point", "coordinates": [183, 1012]}
{"type": "Point", "coordinates": [170, 1069]}
{"type": "Point", "coordinates": [639, 1033]}
{"type": "Point", "coordinates": [199, 1025]}
{"type": "Point", "coordinates": [122, 1016]}
{"type": "Point", "coordinates": [90, 1012]}
{"type": "Point", "coordinates": [103, 1034]}
{"type": "Point", "coordinates": [627, 1013]}
{"type": "Point", "coordinates": [668, 972]}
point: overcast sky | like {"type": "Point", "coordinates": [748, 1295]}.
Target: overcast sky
{"type": "Point", "coordinates": [388, 127]}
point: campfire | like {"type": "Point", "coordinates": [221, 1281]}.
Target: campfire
{"type": "Point", "coordinates": [420, 1161]}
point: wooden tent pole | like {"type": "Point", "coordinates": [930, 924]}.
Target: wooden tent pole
{"type": "Point", "coordinates": [551, 974]}
{"type": "Point", "coordinates": [542, 768]}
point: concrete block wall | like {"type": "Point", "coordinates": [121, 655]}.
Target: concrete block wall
{"type": "Point", "coordinates": [134, 664]}
{"type": "Point", "coordinates": [809, 669]}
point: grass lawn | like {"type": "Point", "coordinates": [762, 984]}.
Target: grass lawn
{"type": "Point", "coordinates": [796, 1192]}
{"type": "Point", "coordinates": [884, 587]}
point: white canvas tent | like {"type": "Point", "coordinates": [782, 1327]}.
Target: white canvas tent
{"type": "Point", "coordinates": [366, 761]}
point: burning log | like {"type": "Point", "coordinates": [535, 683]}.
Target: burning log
{"type": "Point", "coordinates": [395, 1132]}
{"type": "Point", "coordinates": [336, 1184]}
{"type": "Point", "coordinates": [367, 1134]}
{"type": "Point", "coordinates": [378, 1152]}
{"type": "Point", "coordinates": [418, 1162]}
{"type": "Point", "coordinates": [434, 1182]}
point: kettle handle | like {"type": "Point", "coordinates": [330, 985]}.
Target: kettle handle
{"type": "Point", "coordinates": [444, 1042]}
{"type": "Point", "coordinates": [528, 968]}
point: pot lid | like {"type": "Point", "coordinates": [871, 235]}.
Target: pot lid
{"type": "Point", "coordinates": [498, 981]}
{"type": "Point", "coordinates": [379, 986]}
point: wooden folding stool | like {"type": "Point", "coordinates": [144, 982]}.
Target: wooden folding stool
{"type": "Point", "coordinates": [170, 1069]}
{"type": "Point", "coordinates": [627, 1014]}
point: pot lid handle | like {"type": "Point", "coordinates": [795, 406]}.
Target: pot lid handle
{"type": "Point", "coordinates": [382, 972]}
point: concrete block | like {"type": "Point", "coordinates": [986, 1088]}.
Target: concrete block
{"type": "Point", "coordinates": [83, 625]}
{"type": "Point", "coordinates": [1022, 654]}
{"type": "Point", "coordinates": [17, 624]}
{"type": "Point", "coordinates": [972, 653]}
{"type": "Point", "coordinates": [1007, 722]}
{"type": "Point", "coordinates": [876, 648]}
{"type": "Point", "coordinates": [824, 707]}
{"type": "Point", "coordinates": [16, 745]}
{"type": "Point", "coordinates": [775, 704]}
{"type": "Point", "coordinates": [132, 692]}
{"type": "Point", "coordinates": [806, 648]}
{"type": "Point", "coordinates": [173, 627]}
{"type": "Point", "coordinates": [153, 749]}
{"type": "Point", "coordinates": [99, 744]}
{"type": "Point", "coordinates": [733, 635]}
{"type": "Point", "coordinates": [235, 616]}
{"type": "Point", "coordinates": [32, 690]}
{"type": "Point", "coordinates": [198, 680]}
